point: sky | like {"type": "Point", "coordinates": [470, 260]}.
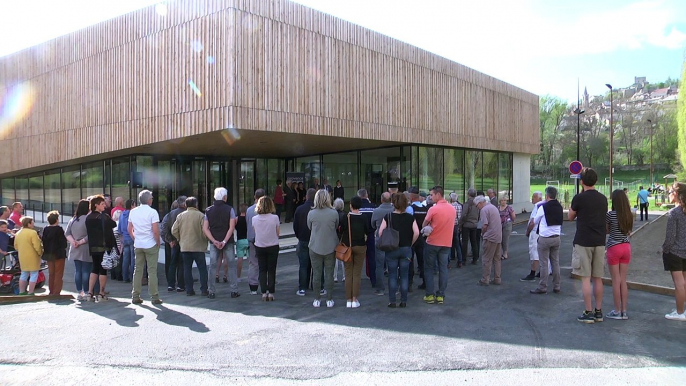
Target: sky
{"type": "Point", "coordinates": [541, 46]}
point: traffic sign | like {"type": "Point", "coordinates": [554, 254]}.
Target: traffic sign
{"type": "Point", "coordinates": [575, 167]}
{"type": "Point", "coordinates": [575, 176]}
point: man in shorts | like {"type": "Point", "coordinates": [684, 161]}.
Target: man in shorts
{"type": "Point", "coordinates": [537, 200]}
{"type": "Point", "coordinates": [588, 257]}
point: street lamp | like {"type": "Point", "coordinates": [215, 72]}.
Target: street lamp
{"type": "Point", "coordinates": [651, 152]}
{"type": "Point", "coordinates": [578, 113]}
{"type": "Point", "coordinates": [612, 133]}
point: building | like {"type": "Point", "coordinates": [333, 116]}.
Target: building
{"type": "Point", "coordinates": [184, 97]}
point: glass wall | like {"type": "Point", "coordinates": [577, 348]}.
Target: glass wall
{"type": "Point", "coordinates": [22, 189]}
{"type": "Point", "coordinates": [7, 191]}
{"type": "Point", "coordinates": [35, 202]}
{"type": "Point", "coordinates": [490, 167]}
{"type": "Point", "coordinates": [246, 182]}
{"type": "Point", "coordinates": [311, 166]}
{"type": "Point", "coordinates": [92, 179]}
{"type": "Point", "coordinates": [454, 172]}
{"type": "Point", "coordinates": [121, 175]}
{"type": "Point", "coordinates": [377, 168]}
{"type": "Point", "coordinates": [430, 167]}
{"type": "Point", "coordinates": [505, 176]}
{"type": "Point", "coordinates": [342, 167]}
{"type": "Point", "coordinates": [71, 189]}
{"type": "Point", "coordinates": [408, 171]}
{"type": "Point", "coordinates": [53, 191]}
{"type": "Point", "coordinates": [473, 170]}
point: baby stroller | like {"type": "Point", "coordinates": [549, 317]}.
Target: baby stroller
{"type": "Point", "coordinates": [10, 271]}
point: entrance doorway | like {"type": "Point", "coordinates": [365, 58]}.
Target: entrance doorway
{"type": "Point", "coordinates": [246, 182]}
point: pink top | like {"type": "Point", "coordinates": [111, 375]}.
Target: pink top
{"type": "Point", "coordinates": [441, 217]}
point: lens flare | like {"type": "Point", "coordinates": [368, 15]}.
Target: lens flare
{"type": "Point", "coordinates": [195, 88]}
{"type": "Point", "coordinates": [210, 60]}
{"type": "Point", "coordinates": [197, 46]}
{"type": "Point", "coordinates": [15, 105]}
{"type": "Point", "coordinates": [231, 135]}
{"type": "Point", "coordinates": [161, 9]}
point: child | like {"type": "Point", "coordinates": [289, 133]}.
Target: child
{"type": "Point", "coordinates": [28, 245]}
{"type": "Point", "coordinates": [242, 243]}
{"type": "Point", "coordinates": [55, 246]}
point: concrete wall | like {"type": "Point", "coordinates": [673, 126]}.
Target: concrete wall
{"type": "Point", "coordinates": [521, 182]}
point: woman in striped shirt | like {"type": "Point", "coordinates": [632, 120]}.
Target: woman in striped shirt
{"type": "Point", "coordinates": [619, 223]}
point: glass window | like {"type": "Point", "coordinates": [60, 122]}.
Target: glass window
{"type": "Point", "coordinates": [407, 169]}
{"type": "Point", "coordinates": [246, 183]}
{"type": "Point", "coordinates": [71, 189]}
{"type": "Point", "coordinates": [53, 191]}
{"type": "Point", "coordinates": [261, 175]}
{"type": "Point", "coordinates": [490, 162]}
{"type": "Point", "coordinates": [121, 174]}
{"type": "Point", "coordinates": [7, 191]}
{"type": "Point", "coordinates": [92, 178]}
{"type": "Point", "coordinates": [200, 182]}
{"type": "Point", "coordinates": [377, 167]}
{"type": "Point", "coordinates": [505, 176]}
{"type": "Point", "coordinates": [342, 167]}
{"type": "Point", "coordinates": [164, 196]}
{"type": "Point", "coordinates": [430, 167]}
{"type": "Point", "coordinates": [454, 172]}
{"type": "Point", "coordinates": [35, 202]}
{"type": "Point", "coordinates": [22, 189]}
{"type": "Point", "coordinates": [472, 170]}
{"type": "Point", "coordinates": [275, 171]}
{"type": "Point", "coordinates": [311, 166]}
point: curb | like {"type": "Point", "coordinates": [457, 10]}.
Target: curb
{"type": "Point", "coordinates": [655, 289]}
{"type": "Point", "coordinates": [15, 299]}
{"type": "Point", "coordinates": [646, 224]}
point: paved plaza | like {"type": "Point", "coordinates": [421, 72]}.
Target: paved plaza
{"type": "Point", "coordinates": [481, 335]}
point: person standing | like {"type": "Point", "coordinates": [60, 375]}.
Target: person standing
{"type": "Point", "coordinates": [354, 230]}
{"type": "Point", "coordinates": [339, 205]}
{"type": "Point", "coordinates": [279, 199]}
{"type": "Point", "coordinates": [588, 257]}
{"type": "Point", "coordinates": [456, 249]}
{"type": "Point", "coordinates": [266, 226]}
{"type": "Point", "coordinates": [17, 211]}
{"type": "Point", "coordinates": [400, 259]}
{"type": "Point", "coordinates": [118, 209]}
{"type": "Point", "coordinates": [242, 245]}
{"type": "Point", "coordinates": [218, 225]}
{"type": "Point", "coordinates": [322, 221]}
{"type": "Point", "coordinates": [54, 252]}
{"type": "Point", "coordinates": [128, 259]}
{"type": "Point", "coordinates": [253, 265]}
{"type": "Point", "coordinates": [548, 220]}
{"type": "Point", "coordinates": [507, 216]}
{"type": "Point", "coordinates": [492, 197]}
{"type": "Point", "coordinates": [144, 229]}
{"type": "Point", "coordinates": [642, 201]}
{"type": "Point", "coordinates": [468, 227]}
{"type": "Point", "coordinates": [367, 210]}
{"type": "Point", "coordinates": [619, 223]}
{"type": "Point", "coordinates": [302, 193]}
{"type": "Point", "coordinates": [77, 236]}
{"type": "Point", "coordinates": [536, 199]}
{"type": "Point", "coordinates": [378, 215]}
{"type": "Point", "coordinates": [339, 191]}
{"type": "Point", "coordinates": [674, 249]}
{"type": "Point", "coordinates": [29, 248]}
{"type": "Point", "coordinates": [328, 188]}
{"type": "Point", "coordinates": [189, 233]}
{"type": "Point", "coordinates": [492, 233]}
{"type": "Point", "coordinates": [303, 234]}
{"type": "Point", "coordinates": [441, 218]}
{"type": "Point", "coordinates": [99, 227]}
{"type": "Point", "coordinates": [174, 271]}
{"type": "Point", "coordinates": [289, 198]}
{"type": "Point", "coordinates": [418, 211]}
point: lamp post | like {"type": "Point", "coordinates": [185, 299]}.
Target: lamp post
{"type": "Point", "coordinates": [578, 113]}
{"type": "Point", "coordinates": [651, 152]}
{"type": "Point", "coordinates": [612, 134]}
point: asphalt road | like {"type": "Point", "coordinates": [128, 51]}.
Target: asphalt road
{"type": "Point", "coordinates": [480, 335]}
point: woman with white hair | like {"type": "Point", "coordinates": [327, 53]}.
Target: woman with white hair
{"type": "Point", "coordinates": [322, 220]}
{"type": "Point", "coordinates": [339, 204]}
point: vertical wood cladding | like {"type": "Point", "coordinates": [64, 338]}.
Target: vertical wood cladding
{"type": "Point", "coordinates": [272, 65]}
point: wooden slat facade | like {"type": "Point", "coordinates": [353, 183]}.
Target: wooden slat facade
{"type": "Point", "coordinates": [276, 66]}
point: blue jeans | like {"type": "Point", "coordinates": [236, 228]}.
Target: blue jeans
{"type": "Point", "coordinates": [305, 265]}
{"type": "Point", "coordinates": [175, 271]}
{"type": "Point", "coordinates": [380, 257]}
{"type": "Point", "coordinates": [371, 259]}
{"type": "Point", "coordinates": [82, 273]}
{"type": "Point", "coordinates": [394, 259]}
{"type": "Point", "coordinates": [199, 259]}
{"type": "Point", "coordinates": [129, 262]}
{"type": "Point", "coordinates": [432, 253]}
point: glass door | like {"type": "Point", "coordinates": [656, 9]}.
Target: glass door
{"type": "Point", "coordinates": [246, 182]}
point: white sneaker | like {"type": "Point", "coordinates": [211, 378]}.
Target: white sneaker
{"type": "Point", "coordinates": [316, 303]}
{"type": "Point", "coordinates": [329, 303]}
{"type": "Point", "coordinates": [675, 316]}
{"type": "Point", "coordinates": [253, 293]}
{"type": "Point", "coordinates": [348, 304]}
{"type": "Point", "coordinates": [356, 303]}
{"type": "Point", "coordinates": [300, 292]}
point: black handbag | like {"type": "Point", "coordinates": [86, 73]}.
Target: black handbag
{"type": "Point", "coordinates": [390, 238]}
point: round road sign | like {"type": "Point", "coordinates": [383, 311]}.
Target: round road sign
{"type": "Point", "coordinates": [575, 167]}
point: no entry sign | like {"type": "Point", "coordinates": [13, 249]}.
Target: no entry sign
{"type": "Point", "coordinates": [575, 167]}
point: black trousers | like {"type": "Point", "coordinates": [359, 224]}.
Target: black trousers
{"type": "Point", "coordinates": [644, 207]}
{"type": "Point", "coordinates": [266, 260]}
{"type": "Point", "coordinates": [470, 235]}
{"type": "Point", "coordinates": [418, 249]}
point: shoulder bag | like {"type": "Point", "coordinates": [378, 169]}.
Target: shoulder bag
{"type": "Point", "coordinates": [390, 238]}
{"type": "Point", "coordinates": [110, 259]}
{"type": "Point", "coordinates": [344, 253]}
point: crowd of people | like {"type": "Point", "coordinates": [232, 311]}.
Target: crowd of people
{"type": "Point", "coordinates": [410, 234]}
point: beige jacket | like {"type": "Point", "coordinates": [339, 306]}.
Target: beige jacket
{"type": "Point", "coordinates": [188, 230]}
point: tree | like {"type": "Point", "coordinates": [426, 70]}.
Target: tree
{"type": "Point", "coordinates": [552, 112]}
{"type": "Point", "coordinates": [681, 119]}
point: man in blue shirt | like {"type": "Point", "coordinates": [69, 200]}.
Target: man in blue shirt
{"type": "Point", "coordinates": [642, 201]}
